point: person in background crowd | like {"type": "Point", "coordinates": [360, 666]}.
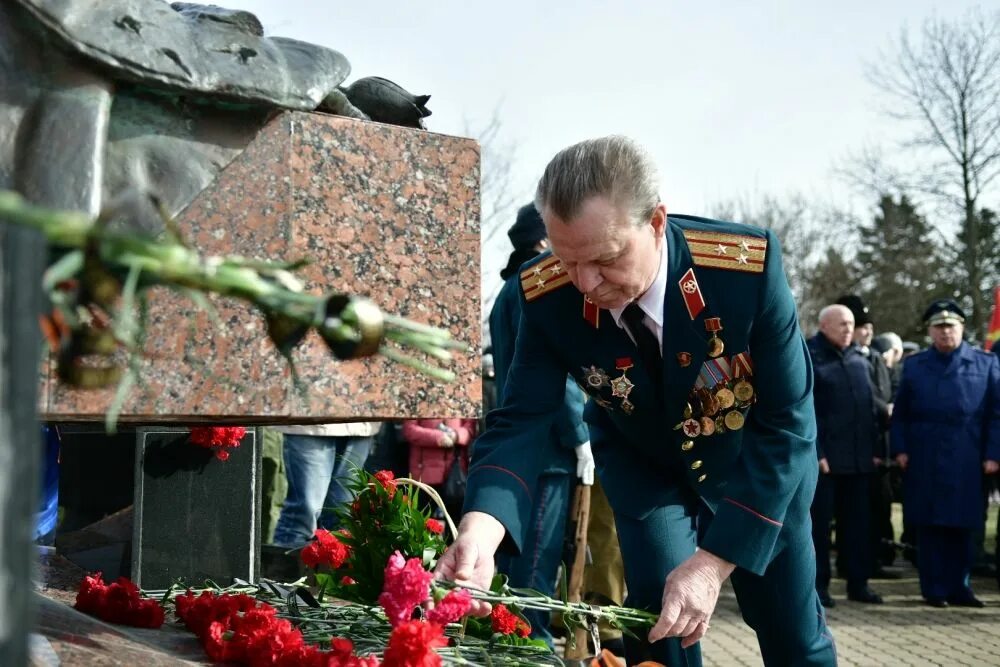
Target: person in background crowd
{"type": "Point", "coordinates": [435, 446]}
{"type": "Point", "coordinates": [881, 502]}
{"type": "Point", "coordinates": [568, 439]}
{"type": "Point", "coordinates": [909, 349]}
{"type": "Point", "coordinates": [319, 461]}
{"type": "Point", "coordinates": [890, 345]}
{"type": "Point", "coordinates": [846, 442]}
{"type": "Point", "coordinates": [945, 434]}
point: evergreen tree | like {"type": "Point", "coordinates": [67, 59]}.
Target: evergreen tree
{"type": "Point", "coordinates": [900, 266]}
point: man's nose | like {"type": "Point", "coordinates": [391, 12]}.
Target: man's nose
{"type": "Point", "coordinates": [588, 278]}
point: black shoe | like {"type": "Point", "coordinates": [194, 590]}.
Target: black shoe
{"type": "Point", "coordinates": [826, 600]}
{"type": "Point", "coordinates": [940, 603]}
{"type": "Point", "coordinates": [865, 595]}
{"type": "Point", "coordinates": [967, 601]}
{"type": "Point", "coordinates": [882, 573]}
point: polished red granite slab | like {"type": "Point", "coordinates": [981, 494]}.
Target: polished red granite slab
{"type": "Point", "coordinates": [384, 212]}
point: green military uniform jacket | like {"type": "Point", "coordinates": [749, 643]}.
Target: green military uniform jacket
{"type": "Point", "coordinates": [751, 468]}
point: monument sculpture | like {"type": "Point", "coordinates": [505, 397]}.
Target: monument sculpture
{"type": "Point", "coordinates": [140, 112]}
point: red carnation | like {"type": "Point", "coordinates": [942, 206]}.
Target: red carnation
{"type": "Point", "coordinates": [504, 620]}
{"type": "Point", "coordinates": [218, 438]}
{"type": "Point", "coordinates": [412, 644]}
{"type": "Point", "coordinates": [451, 608]}
{"type": "Point", "coordinates": [407, 584]}
{"type": "Point", "coordinates": [118, 602]}
{"type": "Point", "coordinates": [434, 526]}
{"type": "Point", "coordinates": [325, 550]}
{"type": "Point", "coordinates": [388, 481]}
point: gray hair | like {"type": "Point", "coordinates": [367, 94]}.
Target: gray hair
{"type": "Point", "coordinates": [615, 167]}
{"type": "Point", "coordinates": [893, 339]}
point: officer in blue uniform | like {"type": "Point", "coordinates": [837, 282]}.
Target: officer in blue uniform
{"type": "Point", "coordinates": [567, 449]}
{"type": "Point", "coordinates": [684, 333]}
{"type": "Point", "coordinates": [945, 434]}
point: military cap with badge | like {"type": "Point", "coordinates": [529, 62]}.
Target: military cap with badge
{"type": "Point", "coordinates": [944, 312]}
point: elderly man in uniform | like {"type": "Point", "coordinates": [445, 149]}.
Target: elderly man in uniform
{"type": "Point", "coordinates": [945, 434]}
{"type": "Point", "coordinates": [684, 333]}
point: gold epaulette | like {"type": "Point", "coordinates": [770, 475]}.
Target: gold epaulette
{"type": "Point", "coordinates": [543, 277]}
{"type": "Point", "coordinates": [734, 252]}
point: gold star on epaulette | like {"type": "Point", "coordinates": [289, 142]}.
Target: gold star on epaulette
{"type": "Point", "coordinates": [734, 252]}
{"type": "Point", "coordinates": [543, 277]}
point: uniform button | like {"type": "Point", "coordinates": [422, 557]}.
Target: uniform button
{"type": "Point", "coordinates": [687, 445]}
{"type": "Point", "coordinates": [702, 478]}
{"type": "Point", "coordinates": [695, 465]}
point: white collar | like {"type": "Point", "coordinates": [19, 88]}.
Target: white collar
{"type": "Point", "coordinates": [651, 301]}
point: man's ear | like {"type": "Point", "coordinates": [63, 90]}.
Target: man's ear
{"type": "Point", "coordinates": [659, 219]}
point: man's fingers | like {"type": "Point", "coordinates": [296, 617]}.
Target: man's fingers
{"type": "Point", "coordinates": [465, 560]}
{"type": "Point", "coordinates": [695, 637]}
{"type": "Point", "coordinates": [668, 616]}
{"type": "Point", "coordinates": [684, 629]}
{"type": "Point", "coordinates": [480, 608]}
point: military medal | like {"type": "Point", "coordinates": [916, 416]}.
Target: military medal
{"type": "Point", "coordinates": [604, 403]}
{"type": "Point", "coordinates": [725, 398]}
{"type": "Point", "coordinates": [709, 404]}
{"type": "Point", "coordinates": [627, 406]}
{"type": "Point", "coordinates": [743, 391]}
{"type": "Point", "coordinates": [595, 377]}
{"type": "Point", "coordinates": [621, 387]}
{"type": "Point", "coordinates": [742, 369]}
{"type": "Point", "coordinates": [684, 359]}
{"type": "Point", "coordinates": [687, 410]}
{"type": "Point", "coordinates": [692, 428]}
{"type": "Point", "coordinates": [734, 420]}
{"type": "Point", "coordinates": [713, 325]}
{"type": "Point", "coordinates": [707, 425]}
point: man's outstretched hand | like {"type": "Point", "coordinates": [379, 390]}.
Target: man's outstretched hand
{"type": "Point", "coordinates": [689, 598]}
{"type": "Point", "coordinates": [469, 560]}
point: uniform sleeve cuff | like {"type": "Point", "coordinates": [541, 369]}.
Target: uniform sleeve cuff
{"type": "Point", "coordinates": [742, 536]}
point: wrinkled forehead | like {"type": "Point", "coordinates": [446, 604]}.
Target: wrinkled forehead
{"type": "Point", "coordinates": [597, 231]}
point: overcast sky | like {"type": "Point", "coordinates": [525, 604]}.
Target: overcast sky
{"type": "Point", "coordinates": [734, 99]}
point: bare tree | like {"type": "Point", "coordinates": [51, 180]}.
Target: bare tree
{"type": "Point", "coordinates": [807, 231]}
{"type": "Point", "coordinates": [497, 155]}
{"type": "Point", "coordinates": [945, 85]}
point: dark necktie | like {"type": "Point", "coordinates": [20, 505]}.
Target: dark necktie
{"type": "Point", "coordinates": [645, 340]}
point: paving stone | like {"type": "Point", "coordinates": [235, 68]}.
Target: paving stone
{"type": "Point", "coordinates": [903, 631]}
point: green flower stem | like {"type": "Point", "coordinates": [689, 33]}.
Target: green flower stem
{"type": "Point", "coordinates": [264, 284]}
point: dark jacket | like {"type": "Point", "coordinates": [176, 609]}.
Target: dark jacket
{"type": "Point", "coordinates": [882, 391]}
{"type": "Point", "coordinates": [947, 421]}
{"type": "Point", "coordinates": [847, 430]}
{"type": "Point", "coordinates": [568, 429]}
{"type": "Point", "coordinates": [758, 475]}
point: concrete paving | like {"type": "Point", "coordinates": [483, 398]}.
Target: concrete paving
{"type": "Point", "coordinates": [902, 631]}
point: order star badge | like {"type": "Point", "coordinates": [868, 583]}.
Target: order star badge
{"type": "Point", "coordinates": [595, 377]}
{"type": "Point", "coordinates": [621, 387]}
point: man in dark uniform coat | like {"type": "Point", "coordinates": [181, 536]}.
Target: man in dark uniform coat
{"type": "Point", "coordinates": [847, 435]}
{"type": "Point", "coordinates": [945, 435]}
{"type": "Point", "coordinates": [684, 333]}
